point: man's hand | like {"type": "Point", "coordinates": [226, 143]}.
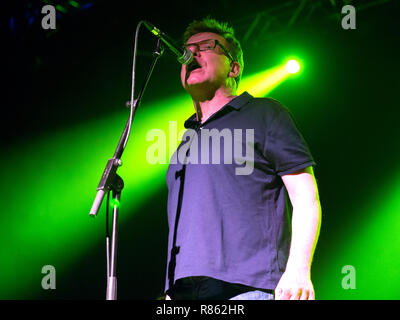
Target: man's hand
{"type": "Point", "coordinates": [295, 285]}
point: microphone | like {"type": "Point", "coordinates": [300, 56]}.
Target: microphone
{"type": "Point", "coordinates": [185, 56]}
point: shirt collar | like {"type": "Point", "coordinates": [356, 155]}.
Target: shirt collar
{"type": "Point", "coordinates": [235, 103]}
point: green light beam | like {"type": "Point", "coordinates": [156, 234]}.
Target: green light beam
{"type": "Point", "coordinates": [372, 247]}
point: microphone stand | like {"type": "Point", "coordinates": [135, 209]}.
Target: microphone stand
{"type": "Point", "coordinates": [111, 181]}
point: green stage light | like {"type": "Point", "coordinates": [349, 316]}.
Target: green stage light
{"type": "Point", "coordinates": [74, 4]}
{"type": "Point", "coordinates": [371, 246]}
{"type": "Point", "coordinates": [263, 82]}
{"type": "Point", "coordinates": [292, 66]}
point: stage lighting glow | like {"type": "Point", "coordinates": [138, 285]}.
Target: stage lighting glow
{"type": "Point", "coordinates": [378, 268]}
{"type": "Point", "coordinates": [292, 66]}
{"type": "Point", "coordinates": [261, 83]}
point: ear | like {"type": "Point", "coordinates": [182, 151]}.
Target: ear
{"type": "Point", "coordinates": [234, 69]}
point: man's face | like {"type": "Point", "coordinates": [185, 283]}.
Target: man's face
{"type": "Point", "coordinates": [214, 64]}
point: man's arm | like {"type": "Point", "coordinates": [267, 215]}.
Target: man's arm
{"type": "Point", "coordinates": [306, 221]}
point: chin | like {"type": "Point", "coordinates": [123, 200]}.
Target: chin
{"type": "Point", "coordinates": [194, 82]}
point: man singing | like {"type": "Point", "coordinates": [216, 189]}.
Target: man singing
{"type": "Point", "coordinates": [238, 236]}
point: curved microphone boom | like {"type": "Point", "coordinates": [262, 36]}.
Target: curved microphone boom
{"type": "Point", "coordinates": [185, 56]}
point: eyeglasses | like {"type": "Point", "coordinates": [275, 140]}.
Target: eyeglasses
{"type": "Point", "coordinates": [207, 45]}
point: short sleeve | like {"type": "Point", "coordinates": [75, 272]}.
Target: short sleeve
{"type": "Point", "coordinates": [285, 146]}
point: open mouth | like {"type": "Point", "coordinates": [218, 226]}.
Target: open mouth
{"type": "Point", "coordinates": [194, 65]}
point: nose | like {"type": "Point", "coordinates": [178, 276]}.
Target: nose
{"type": "Point", "coordinates": [195, 50]}
{"type": "Point", "coordinates": [197, 53]}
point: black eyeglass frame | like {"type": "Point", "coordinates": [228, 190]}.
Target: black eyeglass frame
{"type": "Point", "coordinates": [215, 43]}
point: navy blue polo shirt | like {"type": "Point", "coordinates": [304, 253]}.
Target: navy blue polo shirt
{"type": "Point", "coordinates": [228, 213]}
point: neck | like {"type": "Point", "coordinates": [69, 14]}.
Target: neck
{"type": "Point", "coordinates": [207, 105]}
